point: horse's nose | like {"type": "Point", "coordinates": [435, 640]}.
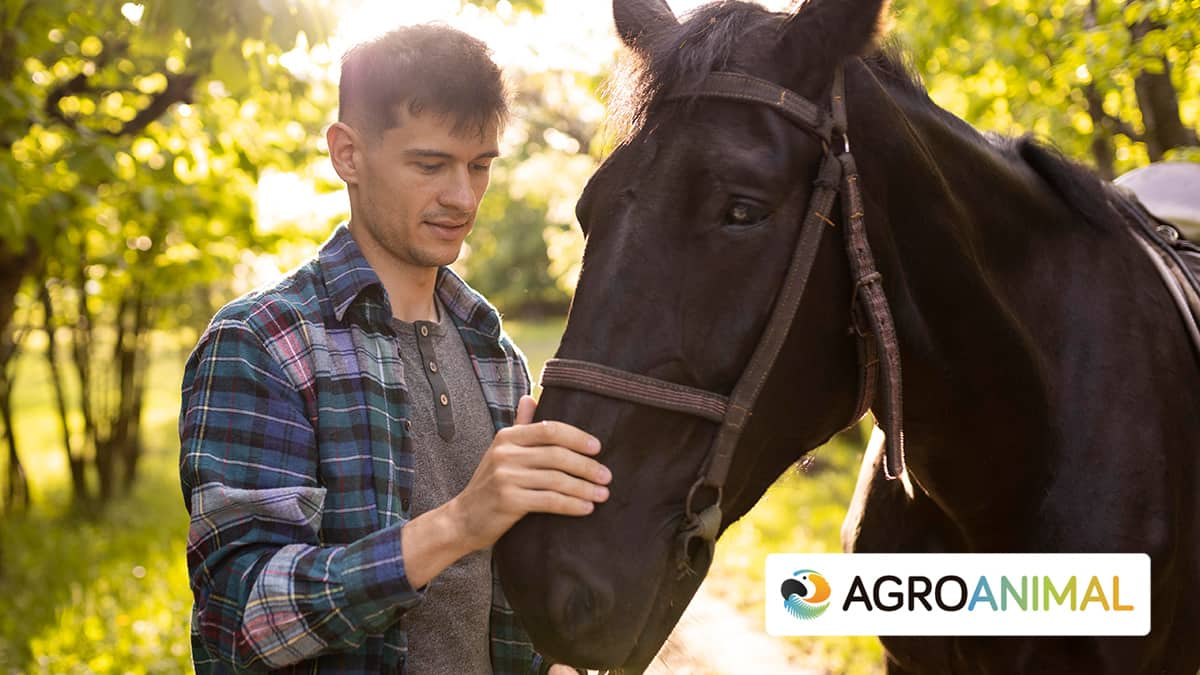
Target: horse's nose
{"type": "Point", "coordinates": [578, 607]}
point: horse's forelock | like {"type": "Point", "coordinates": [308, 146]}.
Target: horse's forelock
{"type": "Point", "coordinates": [704, 41]}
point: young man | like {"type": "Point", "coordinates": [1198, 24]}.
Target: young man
{"type": "Point", "coordinates": [356, 438]}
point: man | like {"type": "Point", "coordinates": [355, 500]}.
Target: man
{"type": "Point", "coordinates": [355, 438]}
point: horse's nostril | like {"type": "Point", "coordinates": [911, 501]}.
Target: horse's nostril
{"type": "Point", "coordinates": [580, 608]}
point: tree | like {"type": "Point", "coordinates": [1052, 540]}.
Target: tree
{"type": "Point", "coordinates": [1103, 78]}
{"type": "Point", "coordinates": [133, 137]}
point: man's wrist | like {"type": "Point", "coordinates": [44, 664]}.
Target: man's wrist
{"type": "Point", "coordinates": [453, 519]}
{"type": "Point", "coordinates": [431, 542]}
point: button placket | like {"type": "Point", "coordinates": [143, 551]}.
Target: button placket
{"type": "Point", "coordinates": [443, 411]}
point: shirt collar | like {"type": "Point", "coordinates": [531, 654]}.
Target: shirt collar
{"type": "Point", "coordinates": [466, 305]}
{"type": "Point", "coordinates": [347, 274]}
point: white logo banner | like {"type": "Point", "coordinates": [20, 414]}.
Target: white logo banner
{"type": "Point", "coordinates": [958, 594]}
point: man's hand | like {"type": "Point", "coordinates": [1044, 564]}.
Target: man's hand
{"type": "Point", "coordinates": [560, 669]}
{"type": "Point", "coordinates": [543, 467]}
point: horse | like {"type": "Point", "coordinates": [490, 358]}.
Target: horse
{"type": "Point", "coordinates": [1048, 399]}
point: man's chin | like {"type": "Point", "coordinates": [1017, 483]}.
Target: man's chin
{"type": "Point", "coordinates": [436, 256]}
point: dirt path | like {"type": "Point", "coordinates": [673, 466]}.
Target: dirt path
{"type": "Point", "coordinates": [713, 638]}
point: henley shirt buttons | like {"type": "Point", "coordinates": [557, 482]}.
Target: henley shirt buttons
{"type": "Point", "coordinates": [433, 366]}
{"type": "Point", "coordinates": [408, 425]}
{"type": "Point", "coordinates": [445, 399]}
{"type": "Point", "coordinates": [424, 331]}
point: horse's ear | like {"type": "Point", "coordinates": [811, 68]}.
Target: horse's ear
{"type": "Point", "coordinates": [637, 19]}
{"type": "Point", "coordinates": [836, 29]}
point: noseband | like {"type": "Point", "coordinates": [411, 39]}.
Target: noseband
{"type": "Point", "coordinates": [879, 354]}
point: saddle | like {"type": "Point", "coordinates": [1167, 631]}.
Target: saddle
{"type": "Point", "coordinates": [1170, 191]}
{"type": "Point", "coordinates": [1176, 258]}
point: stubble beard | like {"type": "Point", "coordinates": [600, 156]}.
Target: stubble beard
{"type": "Point", "coordinates": [396, 242]}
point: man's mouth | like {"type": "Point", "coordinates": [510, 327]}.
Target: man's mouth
{"type": "Point", "coordinates": [450, 230]}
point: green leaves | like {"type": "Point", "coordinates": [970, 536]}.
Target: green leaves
{"type": "Point", "coordinates": [1034, 66]}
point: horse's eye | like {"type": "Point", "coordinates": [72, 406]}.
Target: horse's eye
{"type": "Point", "coordinates": [744, 213]}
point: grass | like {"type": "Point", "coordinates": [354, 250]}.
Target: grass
{"type": "Point", "coordinates": [103, 592]}
{"type": "Point", "coordinates": [108, 593]}
{"type": "Point", "coordinates": [538, 339]}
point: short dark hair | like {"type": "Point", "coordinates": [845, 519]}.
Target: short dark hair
{"type": "Point", "coordinates": [427, 67]}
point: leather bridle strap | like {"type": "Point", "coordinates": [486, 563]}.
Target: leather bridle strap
{"type": "Point", "coordinates": [704, 525]}
{"type": "Point", "coordinates": [871, 307]}
{"type": "Point", "coordinates": [614, 383]}
{"type": "Point", "coordinates": [734, 411]}
{"type": "Point", "coordinates": [837, 172]}
{"type": "Point", "coordinates": [750, 89]}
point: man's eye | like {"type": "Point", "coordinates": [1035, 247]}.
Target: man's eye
{"type": "Point", "coordinates": [743, 213]}
{"type": "Point", "coordinates": [481, 167]}
{"type": "Point", "coordinates": [428, 168]}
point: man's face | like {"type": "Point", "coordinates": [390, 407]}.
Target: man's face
{"type": "Point", "coordinates": [421, 187]}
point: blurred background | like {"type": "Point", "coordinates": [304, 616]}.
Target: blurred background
{"type": "Point", "coordinates": [157, 159]}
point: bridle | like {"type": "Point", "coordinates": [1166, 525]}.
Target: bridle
{"type": "Point", "coordinates": [879, 355]}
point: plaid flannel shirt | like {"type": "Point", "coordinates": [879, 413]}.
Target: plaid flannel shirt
{"type": "Point", "coordinates": [296, 463]}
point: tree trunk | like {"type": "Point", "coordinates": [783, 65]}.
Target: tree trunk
{"type": "Point", "coordinates": [16, 484]}
{"type": "Point", "coordinates": [142, 329]}
{"type": "Point", "coordinates": [1102, 131]}
{"type": "Point", "coordinates": [75, 460]}
{"type": "Point", "coordinates": [15, 268]}
{"type": "Point", "coordinates": [130, 355]}
{"type": "Point", "coordinates": [82, 350]}
{"type": "Point", "coordinates": [16, 488]}
{"type": "Point", "coordinates": [1102, 145]}
{"type": "Point", "coordinates": [1159, 102]}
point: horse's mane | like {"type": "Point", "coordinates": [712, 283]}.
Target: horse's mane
{"type": "Point", "coordinates": [705, 42]}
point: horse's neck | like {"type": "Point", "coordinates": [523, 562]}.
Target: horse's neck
{"type": "Point", "coordinates": [997, 289]}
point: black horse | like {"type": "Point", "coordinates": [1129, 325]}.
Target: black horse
{"type": "Point", "coordinates": [1051, 398]}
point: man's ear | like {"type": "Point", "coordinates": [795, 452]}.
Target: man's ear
{"type": "Point", "coordinates": [345, 151]}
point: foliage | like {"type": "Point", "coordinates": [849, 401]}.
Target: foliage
{"type": "Point", "coordinates": [136, 135]}
{"type": "Point", "coordinates": [1093, 75]}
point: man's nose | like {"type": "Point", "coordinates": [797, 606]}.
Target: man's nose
{"type": "Point", "coordinates": [457, 193]}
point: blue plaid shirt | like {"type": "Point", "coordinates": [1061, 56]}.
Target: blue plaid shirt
{"type": "Point", "coordinates": [297, 464]}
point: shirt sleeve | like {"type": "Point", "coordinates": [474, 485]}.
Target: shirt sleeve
{"type": "Point", "coordinates": [267, 592]}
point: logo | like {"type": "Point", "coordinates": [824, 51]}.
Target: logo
{"type": "Point", "coordinates": [805, 594]}
{"type": "Point", "coordinates": [957, 594]}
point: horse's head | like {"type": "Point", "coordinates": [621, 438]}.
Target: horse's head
{"type": "Point", "coordinates": [691, 226]}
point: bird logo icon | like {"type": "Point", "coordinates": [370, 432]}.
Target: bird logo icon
{"type": "Point", "coordinates": [805, 594]}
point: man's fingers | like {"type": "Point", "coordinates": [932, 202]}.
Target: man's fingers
{"type": "Point", "coordinates": [525, 409]}
{"type": "Point", "coordinates": [559, 459]}
{"type": "Point", "coordinates": [546, 501]}
{"type": "Point", "coordinates": [564, 484]}
{"type": "Point", "coordinates": [554, 433]}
